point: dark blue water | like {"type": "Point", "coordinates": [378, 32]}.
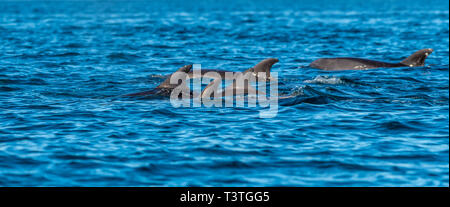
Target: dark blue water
{"type": "Point", "coordinates": [64, 65]}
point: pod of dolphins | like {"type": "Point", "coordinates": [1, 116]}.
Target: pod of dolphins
{"type": "Point", "coordinates": [417, 59]}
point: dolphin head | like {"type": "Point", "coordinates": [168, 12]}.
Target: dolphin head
{"type": "Point", "coordinates": [181, 73]}
{"type": "Point", "coordinates": [185, 69]}
{"type": "Point", "coordinates": [417, 58]}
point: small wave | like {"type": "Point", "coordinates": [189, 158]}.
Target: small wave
{"type": "Point", "coordinates": [67, 54]}
{"type": "Point", "coordinates": [31, 81]}
{"type": "Point", "coordinates": [418, 96]}
{"type": "Point", "coordinates": [325, 80]}
{"type": "Point", "coordinates": [396, 126]}
{"type": "Point", "coordinates": [233, 164]}
{"type": "Point", "coordinates": [35, 106]}
{"type": "Point", "coordinates": [315, 92]}
{"type": "Point", "coordinates": [37, 81]}
{"type": "Point", "coordinates": [73, 45]}
{"type": "Point", "coordinates": [123, 57]}
{"type": "Point", "coordinates": [149, 168]}
{"type": "Point", "coordinates": [8, 89]}
{"type": "Point", "coordinates": [317, 100]}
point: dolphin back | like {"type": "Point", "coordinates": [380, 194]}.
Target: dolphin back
{"type": "Point", "coordinates": [181, 73]}
{"type": "Point", "coordinates": [263, 66]}
{"type": "Point", "coordinates": [417, 58]}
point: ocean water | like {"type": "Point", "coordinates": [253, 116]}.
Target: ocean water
{"type": "Point", "coordinates": [64, 66]}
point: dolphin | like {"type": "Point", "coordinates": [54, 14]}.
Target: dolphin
{"type": "Point", "coordinates": [186, 72]}
{"type": "Point", "coordinates": [262, 68]}
{"type": "Point", "coordinates": [165, 88]}
{"type": "Point", "coordinates": [348, 63]}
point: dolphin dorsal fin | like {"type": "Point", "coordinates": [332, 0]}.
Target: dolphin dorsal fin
{"type": "Point", "coordinates": [166, 83]}
{"type": "Point", "coordinates": [417, 58]}
{"type": "Point", "coordinates": [263, 66]}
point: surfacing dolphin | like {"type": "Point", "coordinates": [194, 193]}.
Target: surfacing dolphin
{"type": "Point", "coordinates": [346, 63]}
{"type": "Point", "coordinates": [165, 88]}
{"type": "Point", "coordinates": [263, 66]}
{"type": "Point", "coordinates": [254, 73]}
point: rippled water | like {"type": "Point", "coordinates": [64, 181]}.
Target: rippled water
{"type": "Point", "coordinates": [65, 64]}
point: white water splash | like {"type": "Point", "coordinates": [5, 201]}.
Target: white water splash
{"type": "Point", "coordinates": [325, 80]}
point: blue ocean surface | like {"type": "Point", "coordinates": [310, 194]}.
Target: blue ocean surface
{"type": "Point", "coordinates": [64, 66]}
